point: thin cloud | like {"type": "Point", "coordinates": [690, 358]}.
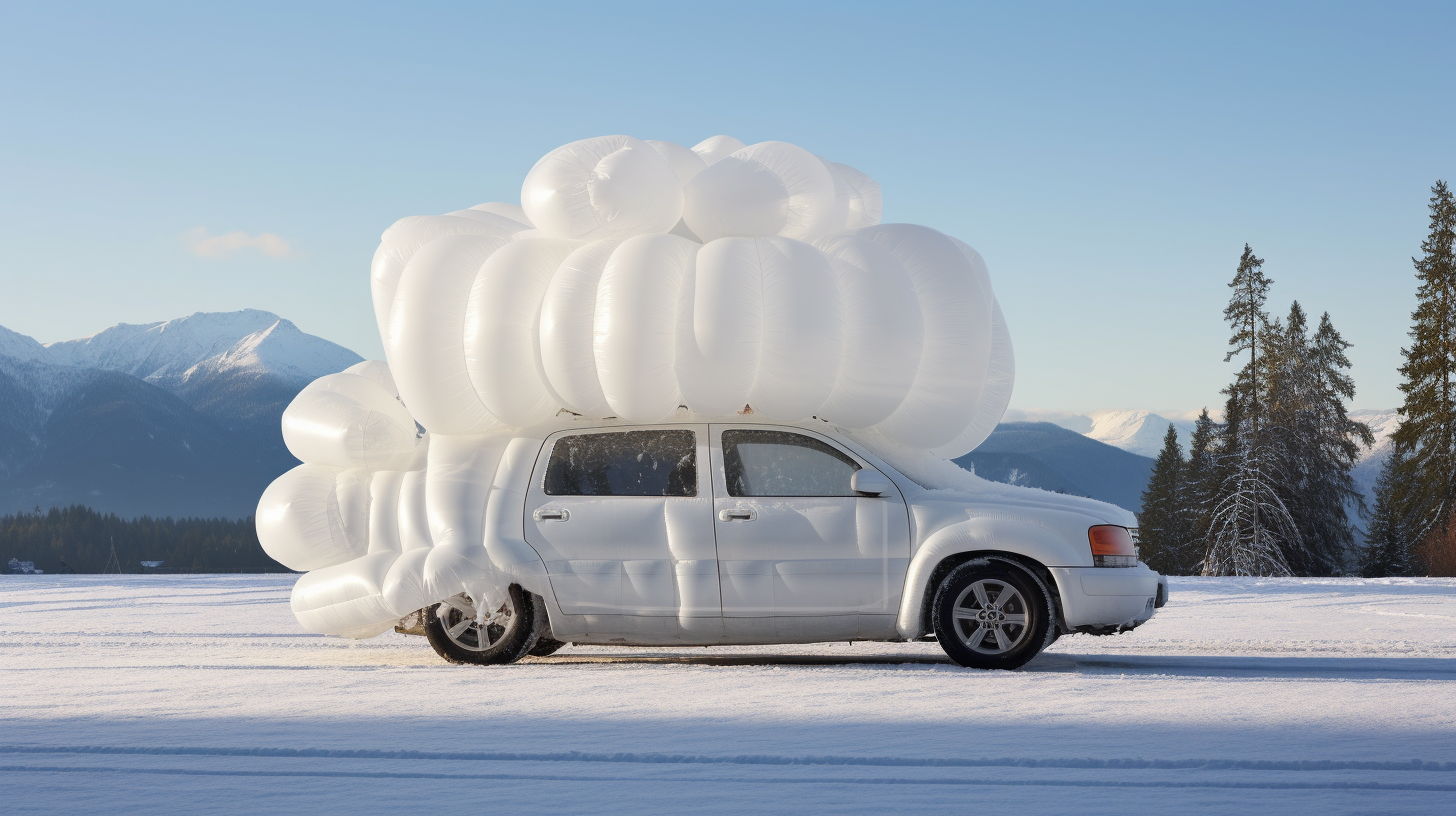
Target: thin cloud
{"type": "Point", "coordinates": [216, 246]}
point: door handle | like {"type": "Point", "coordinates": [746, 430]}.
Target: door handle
{"type": "Point", "coordinates": [551, 514]}
{"type": "Point", "coordinates": [742, 514]}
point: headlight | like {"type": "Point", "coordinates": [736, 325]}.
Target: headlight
{"type": "Point", "coordinates": [1112, 546]}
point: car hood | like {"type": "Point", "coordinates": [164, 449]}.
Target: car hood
{"type": "Point", "coordinates": [940, 493]}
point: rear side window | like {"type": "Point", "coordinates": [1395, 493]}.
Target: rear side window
{"type": "Point", "coordinates": [780, 463]}
{"type": "Point", "coordinates": [624, 463]}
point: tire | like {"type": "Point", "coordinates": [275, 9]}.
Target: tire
{"type": "Point", "coordinates": [545, 643]}
{"type": "Point", "coordinates": [1004, 620]}
{"type": "Point", "coordinates": [454, 636]}
{"type": "Point", "coordinates": [546, 646]}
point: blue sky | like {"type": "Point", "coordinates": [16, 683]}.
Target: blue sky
{"type": "Point", "coordinates": [1108, 160]}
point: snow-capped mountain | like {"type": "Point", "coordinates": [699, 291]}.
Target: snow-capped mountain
{"type": "Point", "coordinates": [1135, 431]}
{"type": "Point", "coordinates": [1382, 424]}
{"type": "Point", "coordinates": [1050, 457]}
{"type": "Point", "coordinates": [207, 343]}
{"type": "Point", "coordinates": [173, 418]}
{"type": "Point", "coordinates": [19, 348]}
{"type": "Point", "coordinates": [1141, 432]}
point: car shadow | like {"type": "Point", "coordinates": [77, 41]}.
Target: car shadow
{"type": "Point", "coordinates": [1308, 667]}
{"type": "Point", "coordinates": [742, 660]}
{"type": "Point", "coordinates": [1272, 667]}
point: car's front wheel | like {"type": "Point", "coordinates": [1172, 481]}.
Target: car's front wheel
{"type": "Point", "coordinates": [455, 635]}
{"type": "Point", "coordinates": [990, 614]}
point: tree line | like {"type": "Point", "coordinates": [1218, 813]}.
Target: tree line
{"type": "Point", "coordinates": [79, 539]}
{"type": "Point", "coordinates": [1269, 491]}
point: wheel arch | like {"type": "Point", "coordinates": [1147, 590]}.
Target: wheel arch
{"type": "Point", "coordinates": [1025, 546]}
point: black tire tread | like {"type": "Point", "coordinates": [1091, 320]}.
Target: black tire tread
{"type": "Point", "coordinates": [1044, 628]}
{"type": "Point", "coordinates": [520, 641]}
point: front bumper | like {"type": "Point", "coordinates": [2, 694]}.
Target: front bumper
{"type": "Point", "coordinates": [1106, 600]}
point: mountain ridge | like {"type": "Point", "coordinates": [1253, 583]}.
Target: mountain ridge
{"type": "Point", "coordinates": [1048, 456]}
{"type": "Point", "coordinates": [178, 417]}
{"type": "Point", "coordinates": [1141, 432]}
{"type": "Point", "coordinates": [211, 342]}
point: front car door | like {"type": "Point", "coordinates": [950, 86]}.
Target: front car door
{"type": "Point", "coordinates": [801, 556]}
{"type": "Point", "coordinates": [622, 519]}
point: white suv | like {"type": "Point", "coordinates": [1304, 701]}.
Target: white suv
{"type": "Point", "coordinates": [700, 533]}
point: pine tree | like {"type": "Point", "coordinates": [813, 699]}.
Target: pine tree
{"type": "Point", "coordinates": [1246, 316]}
{"type": "Point", "coordinates": [1201, 486]}
{"type": "Point", "coordinates": [1251, 527]}
{"type": "Point", "coordinates": [1422, 480]}
{"type": "Point", "coordinates": [1311, 440]}
{"type": "Point", "coordinates": [1288, 434]}
{"type": "Point", "coordinates": [1387, 550]}
{"type": "Point", "coordinates": [1337, 439]}
{"type": "Point", "coordinates": [1163, 523]}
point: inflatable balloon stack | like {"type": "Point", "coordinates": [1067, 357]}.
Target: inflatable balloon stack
{"type": "Point", "coordinates": [636, 279]}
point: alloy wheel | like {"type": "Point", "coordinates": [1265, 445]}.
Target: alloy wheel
{"type": "Point", "coordinates": [991, 617]}
{"type": "Point", "coordinates": [457, 616]}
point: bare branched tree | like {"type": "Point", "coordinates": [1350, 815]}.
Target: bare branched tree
{"type": "Point", "coordinates": [1251, 527]}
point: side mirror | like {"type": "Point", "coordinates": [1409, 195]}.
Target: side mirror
{"type": "Point", "coordinates": [869, 481]}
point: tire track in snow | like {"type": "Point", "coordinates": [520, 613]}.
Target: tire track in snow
{"type": "Point", "coordinates": [1015, 783]}
{"type": "Point", "coordinates": [753, 759]}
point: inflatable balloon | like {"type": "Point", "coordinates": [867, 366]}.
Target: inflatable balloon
{"type": "Point", "coordinates": [637, 280]}
{"type": "Point", "coordinates": [610, 186]}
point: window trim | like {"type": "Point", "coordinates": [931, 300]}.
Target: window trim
{"type": "Point", "coordinates": [551, 441]}
{"type": "Point", "coordinates": [722, 466]}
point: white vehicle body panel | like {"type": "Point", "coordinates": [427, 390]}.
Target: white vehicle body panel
{"type": "Point", "coordinates": [626, 567]}
{"type": "Point", "coordinates": [657, 570]}
{"type": "Point", "coordinates": [839, 559]}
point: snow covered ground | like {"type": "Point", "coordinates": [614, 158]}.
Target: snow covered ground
{"type": "Point", "coordinates": [199, 694]}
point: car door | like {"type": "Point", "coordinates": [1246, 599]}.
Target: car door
{"type": "Point", "coordinates": [795, 541]}
{"type": "Point", "coordinates": [622, 518]}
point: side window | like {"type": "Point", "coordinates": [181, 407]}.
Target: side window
{"type": "Point", "coordinates": [624, 463]}
{"type": "Point", "coordinates": [779, 463]}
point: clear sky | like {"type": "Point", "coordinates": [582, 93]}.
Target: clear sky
{"type": "Point", "coordinates": [1108, 160]}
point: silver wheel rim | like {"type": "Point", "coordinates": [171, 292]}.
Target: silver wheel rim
{"type": "Point", "coordinates": [991, 617]}
{"type": "Point", "coordinates": [457, 618]}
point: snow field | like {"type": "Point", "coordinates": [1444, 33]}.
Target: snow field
{"type": "Point", "coordinates": [200, 694]}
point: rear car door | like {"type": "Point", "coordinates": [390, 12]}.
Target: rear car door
{"type": "Point", "coordinates": [794, 540]}
{"type": "Point", "coordinates": [622, 519]}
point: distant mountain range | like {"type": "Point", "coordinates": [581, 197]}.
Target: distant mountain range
{"type": "Point", "coordinates": [1135, 431]}
{"type": "Point", "coordinates": [1141, 432]}
{"type": "Point", "coordinates": [1048, 456]}
{"type": "Point", "coordinates": [175, 418]}
{"type": "Point", "coordinates": [181, 418]}
{"type": "Point", "coordinates": [1383, 424]}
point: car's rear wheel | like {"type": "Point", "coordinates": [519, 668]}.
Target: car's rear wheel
{"type": "Point", "coordinates": [990, 614]}
{"type": "Point", "coordinates": [456, 635]}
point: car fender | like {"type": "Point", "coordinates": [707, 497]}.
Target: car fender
{"type": "Point", "coordinates": [976, 535]}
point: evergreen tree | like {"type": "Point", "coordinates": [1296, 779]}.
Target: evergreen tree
{"type": "Point", "coordinates": [1163, 524]}
{"type": "Point", "coordinates": [1335, 451]}
{"type": "Point", "coordinates": [1251, 527]}
{"type": "Point", "coordinates": [1246, 316]}
{"type": "Point", "coordinates": [1387, 550]}
{"type": "Point", "coordinates": [1421, 488]}
{"type": "Point", "coordinates": [1312, 441]}
{"type": "Point", "coordinates": [79, 539]}
{"type": "Point", "coordinates": [1288, 433]}
{"type": "Point", "coordinates": [1201, 486]}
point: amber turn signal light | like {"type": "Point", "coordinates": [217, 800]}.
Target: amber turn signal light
{"type": "Point", "coordinates": [1109, 539]}
{"type": "Point", "coordinates": [1112, 546]}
